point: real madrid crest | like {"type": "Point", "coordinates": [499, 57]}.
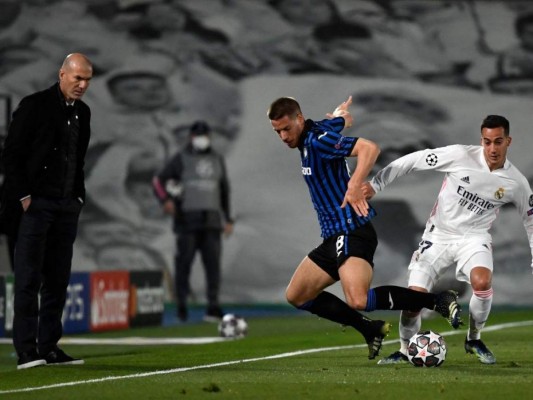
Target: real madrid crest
{"type": "Point", "coordinates": [498, 194]}
{"type": "Point", "coordinates": [531, 200]}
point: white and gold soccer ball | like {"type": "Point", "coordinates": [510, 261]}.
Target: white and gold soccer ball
{"type": "Point", "coordinates": [233, 326]}
{"type": "Point", "coordinates": [426, 349]}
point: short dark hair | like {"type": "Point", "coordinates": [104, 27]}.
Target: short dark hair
{"type": "Point", "coordinates": [200, 128]}
{"type": "Point", "coordinates": [522, 22]}
{"type": "Point", "coordinates": [283, 106]}
{"type": "Point", "coordinates": [496, 121]}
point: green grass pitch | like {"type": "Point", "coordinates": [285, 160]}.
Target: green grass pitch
{"type": "Point", "coordinates": [288, 357]}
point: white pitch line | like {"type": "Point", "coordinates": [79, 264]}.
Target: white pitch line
{"type": "Point", "coordinates": [135, 341]}
{"type": "Point", "coordinates": [248, 360]}
{"type": "Point", "coordinates": [144, 341]}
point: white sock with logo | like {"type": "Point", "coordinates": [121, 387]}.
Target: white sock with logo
{"type": "Point", "coordinates": [409, 326]}
{"type": "Point", "coordinates": [479, 308]}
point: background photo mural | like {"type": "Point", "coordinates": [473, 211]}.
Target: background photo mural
{"type": "Point", "coordinates": [422, 74]}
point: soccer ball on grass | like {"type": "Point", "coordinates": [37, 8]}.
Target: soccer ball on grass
{"type": "Point", "coordinates": [426, 349]}
{"type": "Point", "coordinates": [232, 326]}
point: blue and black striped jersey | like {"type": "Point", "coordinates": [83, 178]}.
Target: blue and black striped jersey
{"type": "Point", "coordinates": [323, 150]}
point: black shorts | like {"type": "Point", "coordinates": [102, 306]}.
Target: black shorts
{"type": "Point", "coordinates": [336, 249]}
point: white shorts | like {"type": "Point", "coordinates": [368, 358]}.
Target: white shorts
{"type": "Point", "coordinates": [431, 260]}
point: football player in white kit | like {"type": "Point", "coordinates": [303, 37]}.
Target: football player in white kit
{"type": "Point", "coordinates": [478, 181]}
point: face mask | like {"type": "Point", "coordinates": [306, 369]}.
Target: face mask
{"type": "Point", "coordinates": [201, 143]}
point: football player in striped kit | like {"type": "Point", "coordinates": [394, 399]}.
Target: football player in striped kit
{"type": "Point", "coordinates": [478, 181]}
{"type": "Point", "coordinates": [349, 239]}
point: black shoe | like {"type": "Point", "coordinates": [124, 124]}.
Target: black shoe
{"type": "Point", "coordinates": [182, 313]}
{"type": "Point", "coordinates": [213, 314]}
{"type": "Point", "coordinates": [395, 358]}
{"type": "Point", "coordinates": [59, 357]}
{"type": "Point", "coordinates": [481, 351]}
{"type": "Point", "coordinates": [375, 340]}
{"type": "Point", "coordinates": [30, 359]}
{"type": "Point", "coordinates": [447, 306]}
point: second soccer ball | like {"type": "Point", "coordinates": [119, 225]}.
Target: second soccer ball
{"type": "Point", "coordinates": [232, 326]}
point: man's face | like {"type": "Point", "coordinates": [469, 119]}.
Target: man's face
{"type": "Point", "coordinates": [289, 129]}
{"type": "Point", "coordinates": [142, 93]}
{"type": "Point", "coordinates": [495, 145]}
{"type": "Point", "coordinates": [74, 80]}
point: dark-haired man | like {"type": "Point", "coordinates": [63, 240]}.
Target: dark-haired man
{"type": "Point", "coordinates": [349, 239]}
{"type": "Point", "coordinates": [478, 181]}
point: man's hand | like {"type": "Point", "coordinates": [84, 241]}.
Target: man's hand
{"type": "Point", "coordinates": [26, 203]}
{"type": "Point", "coordinates": [355, 197]}
{"type": "Point", "coordinates": [228, 229]}
{"type": "Point", "coordinates": [169, 207]}
{"type": "Point", "coordinates": [342, 111]}
{"type": "Point", "coordinates": [368, 190]}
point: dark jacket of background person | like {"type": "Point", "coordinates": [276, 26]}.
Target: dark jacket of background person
{"type": "Point", "coordinates": [179, 176]}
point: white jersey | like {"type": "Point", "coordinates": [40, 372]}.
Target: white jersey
{"type": "Point", "coordinates": [471, 195]}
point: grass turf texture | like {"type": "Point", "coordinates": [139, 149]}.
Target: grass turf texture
{"type": "Point", "coordinates": [334, 374]}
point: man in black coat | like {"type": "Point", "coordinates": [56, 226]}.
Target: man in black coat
{"type": "Point", "coordinates": [44, 192]}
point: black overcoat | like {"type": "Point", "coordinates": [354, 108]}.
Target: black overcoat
{"type": "Point", "coordinates": [34, 151]}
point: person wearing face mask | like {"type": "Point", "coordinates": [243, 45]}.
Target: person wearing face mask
{"type": "Point", "coordinates": [193, 187]}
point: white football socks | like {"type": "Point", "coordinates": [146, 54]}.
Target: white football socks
{"type": "Point", "coordinates": [409, 326]}
{"type": "Point", "coordinates": [479, 308]}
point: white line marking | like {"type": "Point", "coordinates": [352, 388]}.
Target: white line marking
{"type": "Point", "coordinates": [135, 341]}
{"type": "Point", "coordinates": [248, 360]}
{"type": "Point", "coordinates": [143, 341]}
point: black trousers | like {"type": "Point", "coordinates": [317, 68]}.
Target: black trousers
{"type": "Point", "coordinates": [43, 258]}
{"type": "Point", "coordinates": [208, 243]}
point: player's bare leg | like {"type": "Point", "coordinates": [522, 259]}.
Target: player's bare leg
{"type": "Point", "coordinates": [306, 291]}
{"type": "Point", "coordinates": [356, 277]}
